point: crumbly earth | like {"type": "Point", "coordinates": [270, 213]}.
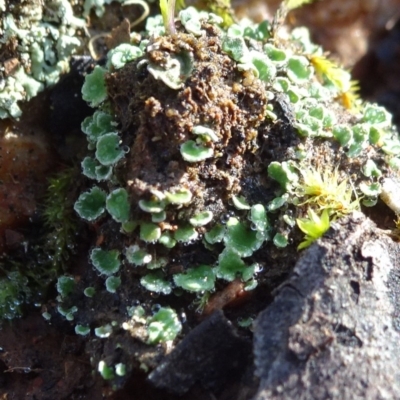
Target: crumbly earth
{"type": "Point", "coordinates": [156, 120]}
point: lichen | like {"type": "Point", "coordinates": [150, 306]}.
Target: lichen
{"type": "Point", "coordinates": [37, 42]}
{"type": "Point", "coordinates": [224, 147]}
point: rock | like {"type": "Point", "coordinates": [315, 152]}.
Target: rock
{"type": "Point", "coordinates": [211, 354]}
{"type": "Point", "coordinates": [333, 330]}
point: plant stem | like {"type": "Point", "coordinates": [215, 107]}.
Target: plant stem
{"type": "Point", "coordinates": [170, 25]}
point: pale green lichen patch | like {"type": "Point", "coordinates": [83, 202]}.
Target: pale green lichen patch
{"type": "Point", "coordinates": [205, 133]}
{"type": "Point", "coordinates": [89, 291]}
{"type": "Point", "coordinates": [193, 152]}
{"type": "Point", "coordinates": [106, 372]}
{"type": "Point", "coordinates": [39, 39]}
{"type": "Point", "coordinates": [137, 256]}
{"type": "Point", "coordinates": [152, 206]}
{"type": "Point", "coordinates": [105, 261]}
{"type": "Point", "coordinates": [158, 217]}
{"type": "Point", "coordinates": [174, 70]}
{"type": "Point", "coordinates": [185, 233]}
{"type": "Point", "coordinates": [149, 232]}
{"type": "Point", "coordinates": [155, 282]}
{"type": "Point", "coordinates": [241, 238]}
{"type": "Point", "coordinates": [82, 330]}
{"type": "Point", "coordinates": [94, 89]}
{"type": "Point", "coordinates": [284, 173]}
{"type": "Point", "coordinates": [230, 265]}
{"type": "Point", "coordinates": [113, 283]}
{"type": "Point", "coordinates": [240, 203]}
{"type": "Point", "coordinates": [103, 331]}
{"type": "Point", "coordinates": [68, 313]}
{"type": "Point", "coordinates": [122, 54]}
{"type": "Point", "coordinates": [298, 69]}
{"type": "Point", "coordinates": [120, 369]}
{"type": "Point", "coordinates": [215, 234]}
{"type": "Point", "coordinates": [108, 151]}
{"type": "Point", "coordinates": [258, 217]}
{"type": "Point", "coordinates": [163, 326]}
{"type": "Point", "coordinates": [201, 219]}
{"type": "Point", "coordinates": [117, 204]}
{"type": "Point", "coordinates": [167, 240]}
{"type": "Point", "coordinates": [199, 279]}
{"type": "Point", "coordinates": [178, 197]}
{"type": "Point", "coordinates": [91, 205]}
{"type": "Point", "coordinates": [280, 240]}
{"type": "Point", "coordinates": [65, 285]}
{"type": "Point", "coordinates": [98, 125]}
{"type": "Point", "coordinates": [236, 47]}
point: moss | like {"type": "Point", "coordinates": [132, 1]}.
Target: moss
{"type": "Point", "coordinates": [27, 272]}
{"type": "Point", "coordinates": [13, 294]}
{"type": "Point", "coordinates": [60, 221]}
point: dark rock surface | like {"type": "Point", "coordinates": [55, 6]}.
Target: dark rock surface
{"type": "Point", "coordinates": [212, 354]}
{"type": "Point", "coordinates": [333, 330]}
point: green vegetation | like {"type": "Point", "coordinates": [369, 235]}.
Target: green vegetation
{"type": "Point", "coordinates": [91, 205]}
{"type": "Point", "coordinates": [14, 292]}
{"type": "Point", "coordinates": [60, 221]}
{"type": "Point", "coordinates": [44, 35]}
{"type": "Point", "coordinates": [163, 326]}
{"type": "Point", "coordinates": [313, 226]}
{"type": "Point", "coordinates": [199, 279]}
{"type": "Point", "coordinates": [25, 276]}
{"type": "Point", "coordinates": [105, 261]}
{"type": "Point", "coordinates": [212, 150]}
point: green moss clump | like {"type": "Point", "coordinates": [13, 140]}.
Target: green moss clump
{"type": "Point", "coordinates": [59, 218]}
{"type": "Point", "coordinates": [13, 295]}
{"type": "Point", "coordinates": [27, 271]}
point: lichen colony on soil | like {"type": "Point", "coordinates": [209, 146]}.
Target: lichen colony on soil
{"type": "Point", "coordinates": [205, 150]}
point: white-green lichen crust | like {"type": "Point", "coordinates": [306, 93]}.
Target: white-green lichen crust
{"type": "Point", "coordinates": [103, 331]}
{"type": "Point", "coordinates": [241, 238]}
{"type": "Point", "coordinates": [122, 54]}
{"type": "Point", "coordinates": [46, 38]}
{"type": "Point", "coordinates": [193, 152]}
{"type": "Point", "coordinates": [230, 265]}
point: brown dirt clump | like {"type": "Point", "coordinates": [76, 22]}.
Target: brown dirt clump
{"type": "Point", "coordinates": [156, 120]}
